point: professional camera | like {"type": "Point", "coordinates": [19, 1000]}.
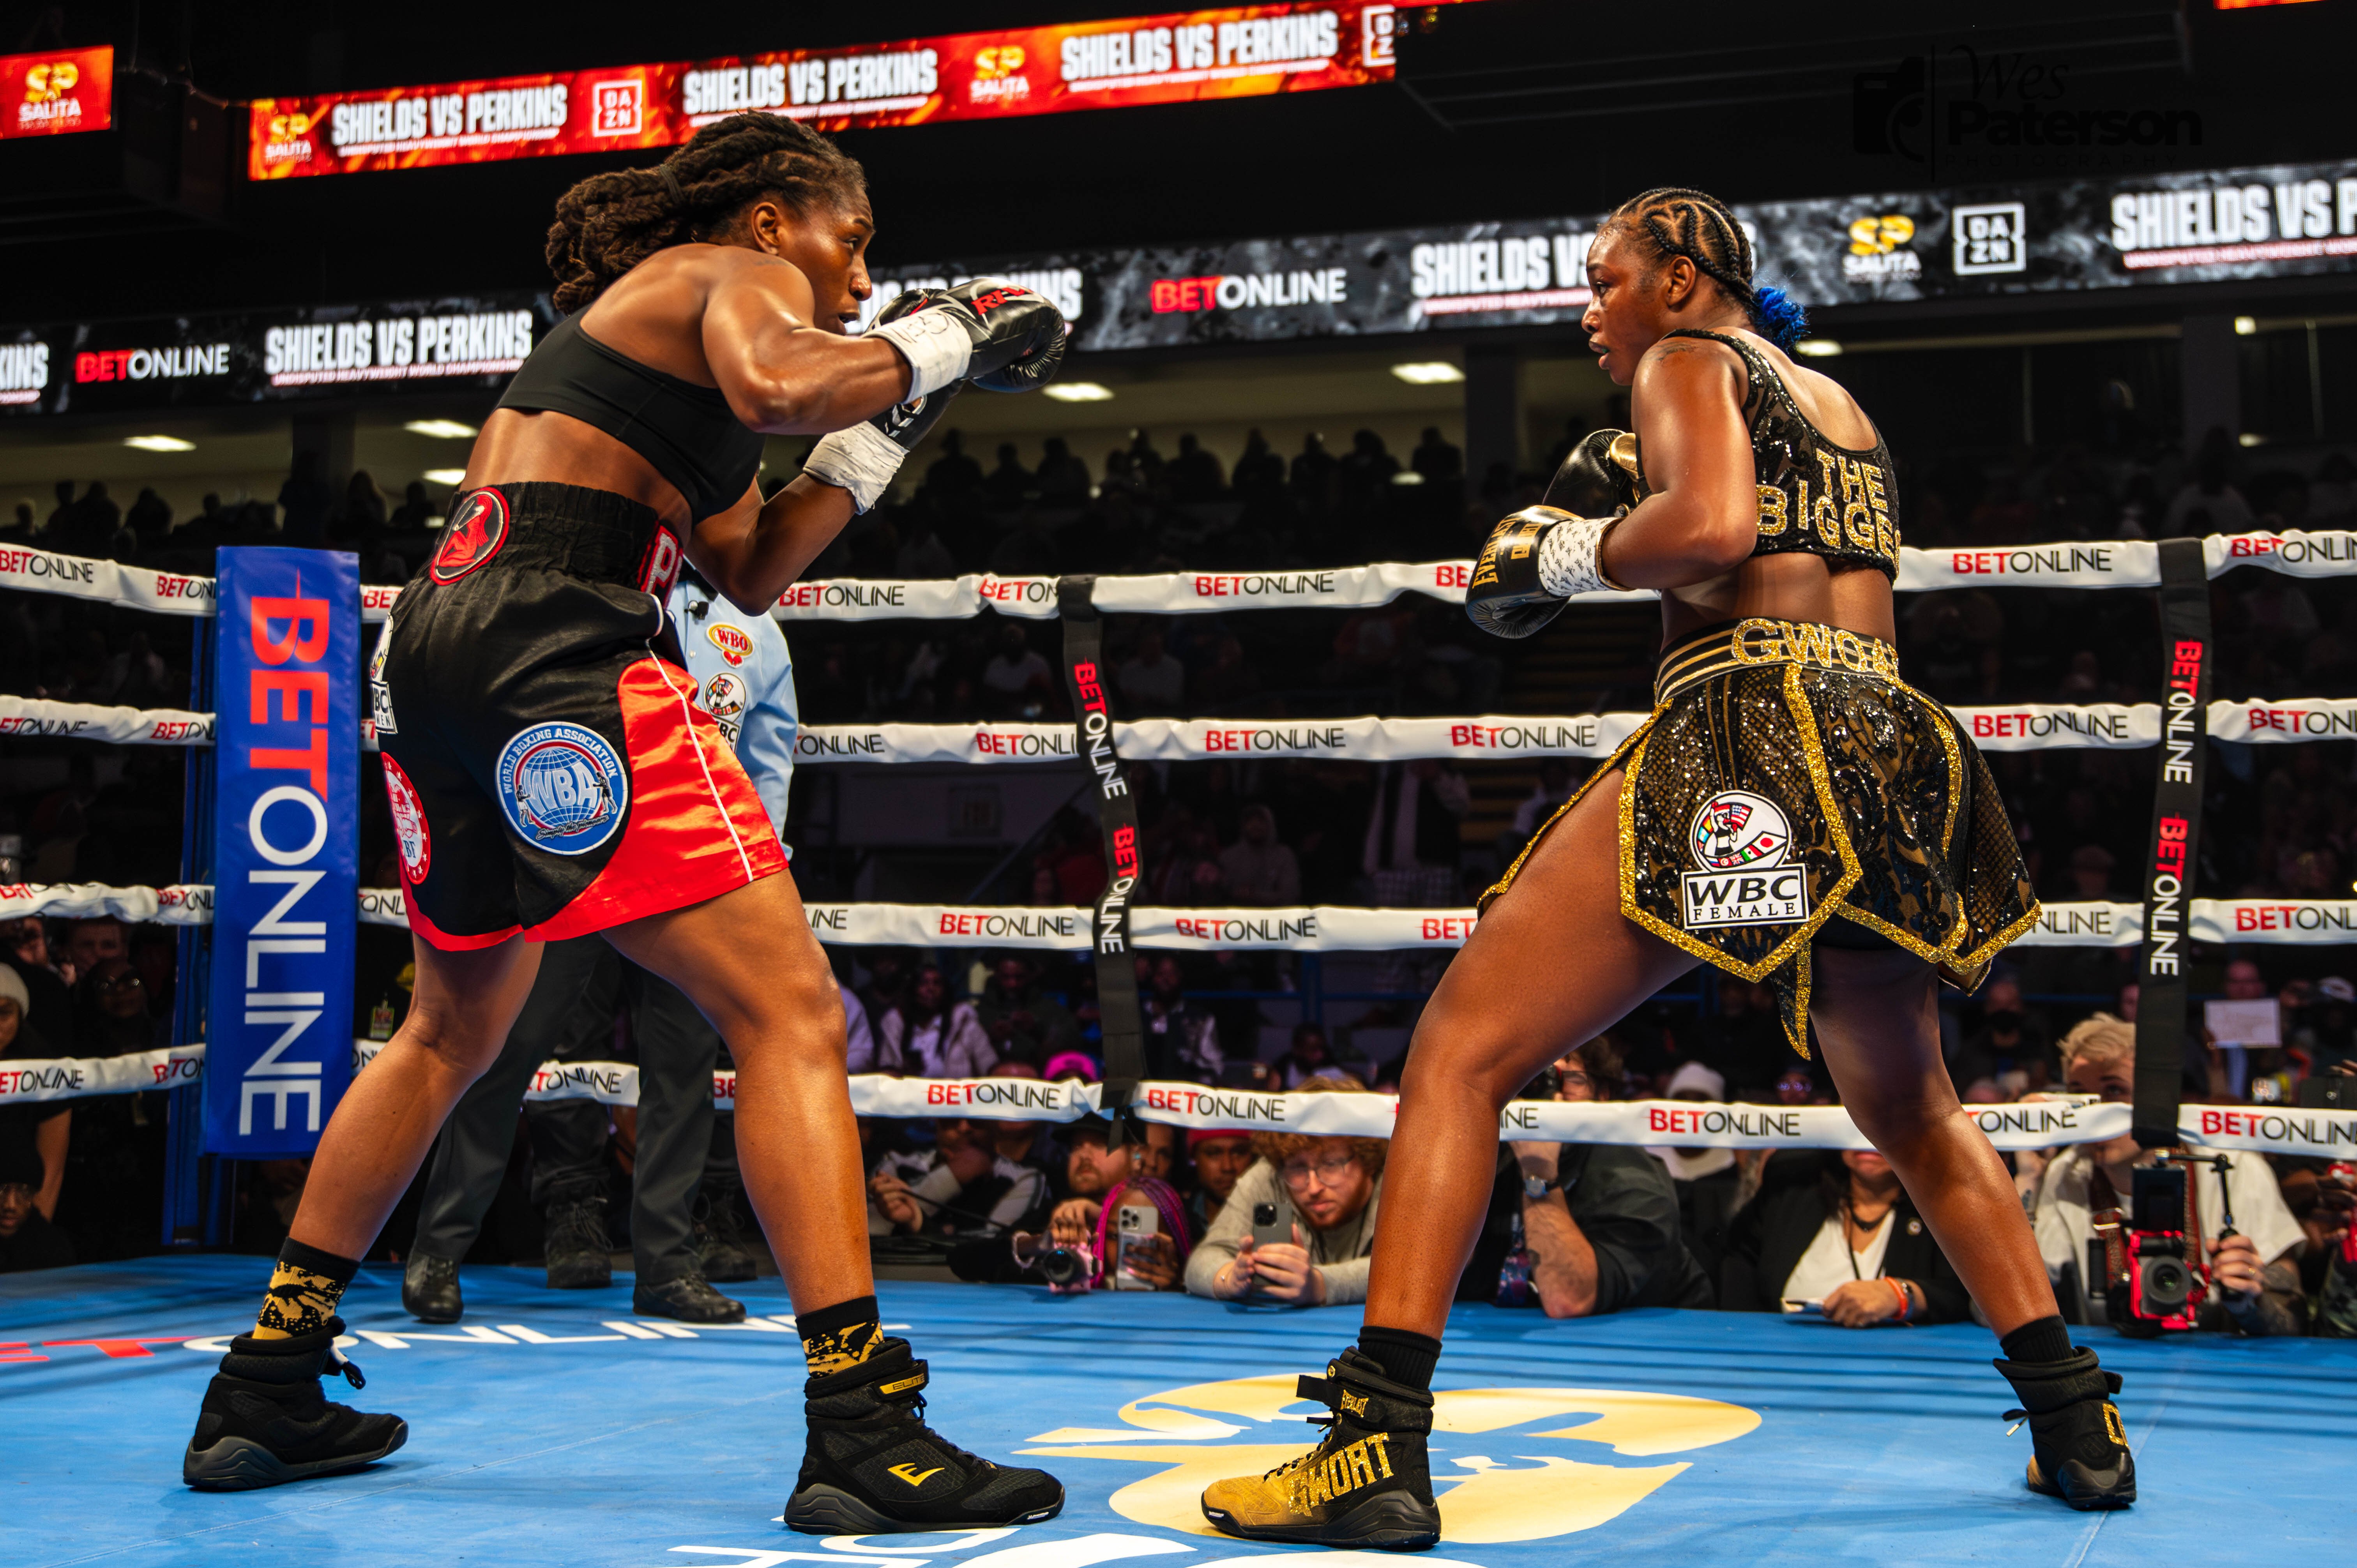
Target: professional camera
{"type": "Point", "coordinates": [1068, 1268]}
{"type": "Point", "coordinates": [2154, 1279]}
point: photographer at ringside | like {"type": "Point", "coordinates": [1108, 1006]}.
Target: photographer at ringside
{"type": "Point", "coordinates": [1582, 1229]}
{"type": "Point", "coordinates": [2251, 1270]}
{"type": "Point", "coordinates": [1096, 1175]}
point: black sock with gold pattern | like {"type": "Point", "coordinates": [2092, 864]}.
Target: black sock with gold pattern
{"type": "Point", "coordinates": [304, 1290]}
{"type": "Point", "coordinates": [839, 1337]}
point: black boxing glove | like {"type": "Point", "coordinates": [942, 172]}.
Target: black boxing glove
{"type": "Point", "coordinates": [1602, 477]}
{"type": "Point", "coordinates": [998, 335]}
{"type": "Point", "coordinates": [1534, 561]}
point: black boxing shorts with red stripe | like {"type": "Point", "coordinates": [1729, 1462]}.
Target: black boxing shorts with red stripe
{"type": "Point", "coordinates": [550, 770]}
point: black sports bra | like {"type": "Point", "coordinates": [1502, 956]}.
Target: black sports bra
{"type": "Point", "coordinates": [1814, 497]}
{"type": "Point", "coordinates": [686, 431]}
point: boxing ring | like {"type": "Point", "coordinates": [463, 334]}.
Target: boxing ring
{"type": "Point", "coordinates": [551, 1429]}
{"type": "Point", "coordinates": [1657, 1435]}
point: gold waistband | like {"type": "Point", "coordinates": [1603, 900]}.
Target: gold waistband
{"type": "Point", "coordinates": [1763, 641]}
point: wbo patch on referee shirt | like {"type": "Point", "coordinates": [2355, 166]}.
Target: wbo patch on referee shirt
{"type": "Point", "coordinates": [1743, 842]}
{"type": "Point", "coordinates": [562, 788]}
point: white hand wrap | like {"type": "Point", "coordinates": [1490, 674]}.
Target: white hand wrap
{"type": "Point", "coordinates": [861, 459]}
{"type": "Point", "coordinates": [1568, 557]}
{"type": "Point", "coordinates": [936, 346]}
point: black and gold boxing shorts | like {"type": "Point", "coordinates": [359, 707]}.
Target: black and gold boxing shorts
{"type": "Point", "coordinates": [550, 768]}
{"type": "Point", "coordinates": [1788, 779]}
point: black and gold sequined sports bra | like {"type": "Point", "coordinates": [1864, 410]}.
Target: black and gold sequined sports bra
{"type": "Point", "coordinates": [1814, 497]}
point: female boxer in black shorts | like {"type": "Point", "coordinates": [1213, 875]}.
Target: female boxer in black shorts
{"type": "Point", "coordinates": [1790, 812]}
{"type": "Point", "coordinates": [551, 776]}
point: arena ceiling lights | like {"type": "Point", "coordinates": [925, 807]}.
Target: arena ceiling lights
{"type": "Point", "coordinates": [1428, 374]}
{"type": "Point", "coordinates": [1079, 391]}
{"type": "Point", "coordinates": [442, 429]}
{"type": "Point", "coordinates": [1175, 57]}
{"type": "Point", "coordinates": [159, 443]}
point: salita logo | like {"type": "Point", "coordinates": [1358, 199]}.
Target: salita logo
{"type": "Point", "coordinates": [1568, 1449]}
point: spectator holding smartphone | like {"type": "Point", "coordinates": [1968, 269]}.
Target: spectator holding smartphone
{"type": "Point", "coordinates": [1324, 1193]}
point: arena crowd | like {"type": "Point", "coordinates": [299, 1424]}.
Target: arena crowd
{"type": "Point", "coordinates": [1573, 1231]}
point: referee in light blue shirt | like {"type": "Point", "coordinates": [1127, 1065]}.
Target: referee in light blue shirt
{"type": "Point", "coordinates": [685, 1229]}
{"type": "Point", "coordinates": [745, 679]}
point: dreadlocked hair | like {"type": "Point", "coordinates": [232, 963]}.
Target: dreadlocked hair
{"type": "Point", "coordinates": [1698, 226]}
{"type": "Point", "coordinates": [610, 222]}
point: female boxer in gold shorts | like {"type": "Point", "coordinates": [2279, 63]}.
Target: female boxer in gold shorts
{"type": "Point", "coordinates": [1791, 811]}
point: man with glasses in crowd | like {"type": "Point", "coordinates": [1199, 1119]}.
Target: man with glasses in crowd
{"type": "Point", "coordinates": [1325, 1191]}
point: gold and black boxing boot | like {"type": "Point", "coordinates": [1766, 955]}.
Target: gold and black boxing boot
{"type": "Point", "coordinates": [873, 1467]}
{"type": "Point", "coordinates": [265, 1423]}
{"type": "Point", "coordinates": [1367, 1483]}
{"type": "Point", "coordinates": [2079, 1450]}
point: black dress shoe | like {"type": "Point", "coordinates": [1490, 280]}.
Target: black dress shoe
{"type": "Point", "coordinates": [429, 1289]}
{"type": "Point", "coordinates": [687, 1298]}
{"type": "Point", "coordinates": [576, 1246]}
{"type": "Point", "coordinates": [719, 1241]}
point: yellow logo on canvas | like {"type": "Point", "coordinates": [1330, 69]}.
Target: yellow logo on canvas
{"type": "Point", "coordinates": [1487, 1501]}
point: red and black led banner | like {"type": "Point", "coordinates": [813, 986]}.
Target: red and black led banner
{"type": "Point", "coordinates": [1240, 52]}
{"type": "Point", "coordinates": [57, 91]}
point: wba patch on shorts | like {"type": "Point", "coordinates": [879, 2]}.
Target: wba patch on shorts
{"type": "Point", "coordinates": [562, 788]}
{"type": "Point", "coordinates": [1743, 841]}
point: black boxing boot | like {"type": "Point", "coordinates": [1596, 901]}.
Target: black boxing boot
{"type": "Point", "coordinates": [264, 1421]}
{"type": "Point", "coordinates": [1367, 1483]}
{"type": "Point", "coordinates": [2079, 1450]}
{"type": "Point", "coordinates": [873, 1467]}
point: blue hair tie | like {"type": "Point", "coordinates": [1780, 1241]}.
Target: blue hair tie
{"type": "Point", "coordinates": [1781, 319]}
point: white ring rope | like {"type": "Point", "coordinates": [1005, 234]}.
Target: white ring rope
{"type": "Point", "coordinates": [1323, 927]}
{"type": "Point", "coordinates": [2106, 564]}
{"type": "Point", "coordinates": [2018, 726]}
{"type": "Point", "coordinates": [2036, 1124]}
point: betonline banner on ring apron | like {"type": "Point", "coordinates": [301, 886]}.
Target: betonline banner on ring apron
{"type": "Point", "coordinates": [286, 882]}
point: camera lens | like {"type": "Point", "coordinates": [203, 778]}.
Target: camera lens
{"type": "Point", "coordinates": [2167, 1283]}
{"type": "Point", "coordinates": [1061, 1265]}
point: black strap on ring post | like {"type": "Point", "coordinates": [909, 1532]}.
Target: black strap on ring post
{"type": "Point", "coordinates": [1124, 1034]}
{"type": "Point", "coordinates": [2174, 845]}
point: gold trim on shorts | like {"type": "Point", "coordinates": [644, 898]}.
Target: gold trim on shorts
{"type": "Point", "coordinates": [1799, 647]}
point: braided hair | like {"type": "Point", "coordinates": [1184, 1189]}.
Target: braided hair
{"type": "Point", "coordinates": [1691, 223]}
{"type": "Point", "coordinates": [610, 222]}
